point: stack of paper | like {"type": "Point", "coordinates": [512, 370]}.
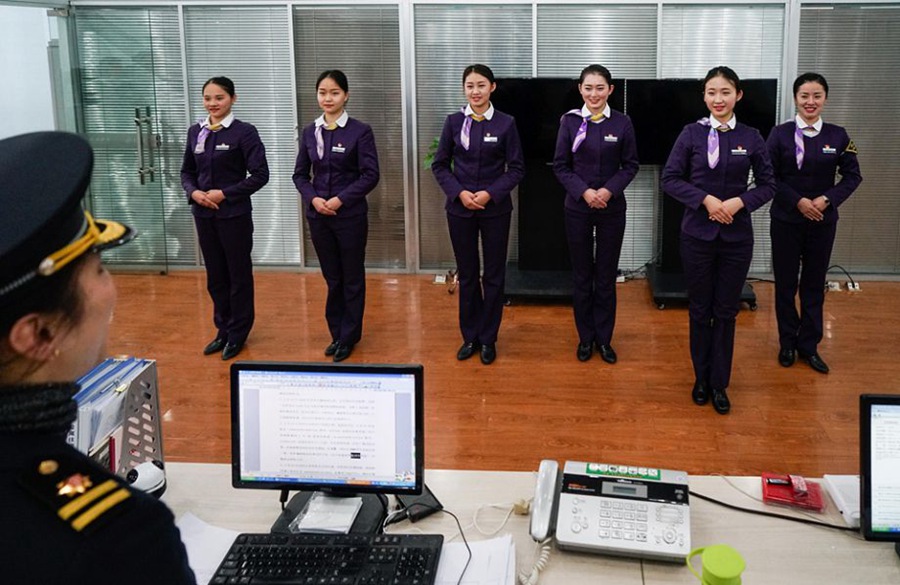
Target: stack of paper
{"type": "Point", "coordinates": [101, 402]}
{"type": "Point", "coordinates": [493, 562]}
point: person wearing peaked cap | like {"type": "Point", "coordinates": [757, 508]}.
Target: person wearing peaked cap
{"type": "Point", "coordinates": [65, 518]}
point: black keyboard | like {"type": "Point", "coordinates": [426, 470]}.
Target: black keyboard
{"type": "Point", "coordinates": [331, 559]}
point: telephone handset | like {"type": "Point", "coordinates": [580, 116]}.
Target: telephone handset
{"type": "Point", "coordinates": [543, 517]}
{"type": "Point", "coordinates": [546, 499]}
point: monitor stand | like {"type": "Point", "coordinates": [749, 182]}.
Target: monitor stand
{"type": "Point", "coordinates": [368, 520]}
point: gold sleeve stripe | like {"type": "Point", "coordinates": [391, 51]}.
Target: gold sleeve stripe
{"type": "Point", "coordinates": [99, 508]}
{"type": "Point", "coordinates": [83, 500]}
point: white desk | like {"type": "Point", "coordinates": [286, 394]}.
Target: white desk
{"type": "Point", "coordinates": [776, 551]}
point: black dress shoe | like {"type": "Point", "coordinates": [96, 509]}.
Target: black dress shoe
{"type": "Point", "coordinates": [214, 346]}
{"type": "Point", "coordinates": [720, 401]}
{"type": "Point", "coordinates": [231, 350]}
{"type": "Point", "coordinates": [700, 394]}
{"type": "Point", "coordinates": [488, 353]}
{"type": "Point", "coordinates": [332, 347]}
{"type": "Point", "coordinates": [342, 351]}
{"type": "Point", "coordinates": [607, 353]}
{"type": "Point", "coordinates": [787, 357]}
{"type": "Point", "coordinates": [584, 351]}
{"type": "Point", "coordinates": [467, 350]}
{"type": "Point", "coordinates": [816, 362]}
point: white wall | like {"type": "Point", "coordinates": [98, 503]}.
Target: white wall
{"type": "Point", "coordinates": [26, 103]}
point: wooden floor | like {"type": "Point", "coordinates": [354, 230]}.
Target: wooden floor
{"type": "Point", "coordinates": [536, 401]}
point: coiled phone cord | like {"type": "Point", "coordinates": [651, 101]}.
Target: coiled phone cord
{"type": "Point", "coordinates": [539, 565]}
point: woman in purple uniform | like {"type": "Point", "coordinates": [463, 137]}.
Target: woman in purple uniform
{"type": "Point", "coordinates": [708, 172]}
{"type": "Point", "coordinates": [596, 158]}
{"type": "Point", "coordinates": [806, 152]}
{"type": "Point", "coordinates": [224, 164]}
{"type": "Point", "coordinates": [337, 166]}
{"type": "Point", "coordinates": [478, 163]}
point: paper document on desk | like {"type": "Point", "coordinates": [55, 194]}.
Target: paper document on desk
{"type": "Point", "coordinates": [206, 545]}
{"type": "Point", "coordinates": [493, 562]}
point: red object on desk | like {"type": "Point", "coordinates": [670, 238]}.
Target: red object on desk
{"type": "Point", "coordinates": [112, 454]}
{"type": "Point", "coordinates": [792, 490]}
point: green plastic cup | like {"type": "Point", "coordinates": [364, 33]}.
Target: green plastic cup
{"type": "Point", "coordinates": [722, 565]}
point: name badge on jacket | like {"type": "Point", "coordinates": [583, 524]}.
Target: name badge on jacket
{"type": "Point", "coordinates": [739, 151]}
{"type": "Point", "coordinates": [338, 149]}
{"type": "Point", "coordinates": [611, 138]}
{"type": "Point", "coordinates": [829, 150]}
{"type": "Point", "coordinates": [489, 138]}
{"type": "Point", "coordinates": [223, 146]}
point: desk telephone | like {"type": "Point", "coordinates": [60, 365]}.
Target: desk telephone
{"type": "Point", "coordinates": [615, 509]}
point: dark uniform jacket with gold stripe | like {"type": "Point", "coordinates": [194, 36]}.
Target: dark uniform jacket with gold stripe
{"type": "Point", "coordinates": [65, 519]}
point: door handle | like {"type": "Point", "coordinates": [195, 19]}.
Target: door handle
{"type": "Point", "coordinates": [152, 144]}
{"type": "Point", "coordinates": [139, 136]}
{"type": "Point", "coordinates": [146, 147]}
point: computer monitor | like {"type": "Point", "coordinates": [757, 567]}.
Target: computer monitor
{"type": "Point", "coordinates": [880, 467]}
{"type": "Point", "coordinates": [320, 427]}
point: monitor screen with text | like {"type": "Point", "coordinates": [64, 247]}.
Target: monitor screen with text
{"type": "Point", "coordinates": [323, 427]}
{"type": "Point", "coordinates": [880, 459]}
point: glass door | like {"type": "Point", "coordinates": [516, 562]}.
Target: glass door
{"type": "Point", "coordinates": [122, 57]}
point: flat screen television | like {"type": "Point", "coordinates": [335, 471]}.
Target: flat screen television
{"type": "Point", "coordinates": [879, 458]}
{"type": "Point", "coordinates": [660, 108]}
{"type": "Point", "coordinates": [537, 104]}
{"type": "Point", "coordinates": [340, 430]}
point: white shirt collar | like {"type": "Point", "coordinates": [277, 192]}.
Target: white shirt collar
{"type": "Point", "coordinates": [801, 123]}
{"type": "Point", "coordinates": [226, 122]}
{"type": "Point", "coordinates": [488, 114]}
{"type": "Point", "coordinates": [586, 113]}
{"type": "Point", "coordinates": [730, 123]}
{"type": "Point", "coordinates": [341, 121]}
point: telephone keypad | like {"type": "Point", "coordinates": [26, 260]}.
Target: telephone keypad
{"type": "Point", "coordinates": [638, 516]}
{"type": "Point", "coordinates": [628, 521]}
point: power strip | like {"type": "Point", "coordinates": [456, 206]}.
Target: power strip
{"type": "Point", "coordinates": [853, 286]}
{"type": "Point", "coordinates": [833, 286]}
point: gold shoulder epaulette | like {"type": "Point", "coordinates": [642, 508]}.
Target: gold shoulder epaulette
{"type": "Point", "coordinates": [81, 494]}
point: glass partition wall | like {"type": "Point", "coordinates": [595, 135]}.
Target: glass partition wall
{"type": "Point", "coordinates": [137, 68]}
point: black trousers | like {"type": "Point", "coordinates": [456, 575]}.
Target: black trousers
{"type": "Point", "coordinates": [480, 293]}
{"type": "Point", "coordinates": [715, 273]}
{"type": "Point", "coordinates": [800, 256]}
{"type": "Point", "coordinates": [226, 245]}
{"type": "Point", "coordinates": [595, 265]}
{"type": "Point", "coordinates": [340, 244]}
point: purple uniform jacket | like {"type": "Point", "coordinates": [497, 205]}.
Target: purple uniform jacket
{"type": "Point", "coordinates": [607, 158]}
{"type": "Point", "coordinates": [824, 154]}
{"type": "Point", "coordinates": [234, 160]}
{"type": "Point", "coordinates": [688, 178]}
{"type": "Point", "coordinates": [493, 163]}
{"type": "Point", "coordinates": [348, 168]}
